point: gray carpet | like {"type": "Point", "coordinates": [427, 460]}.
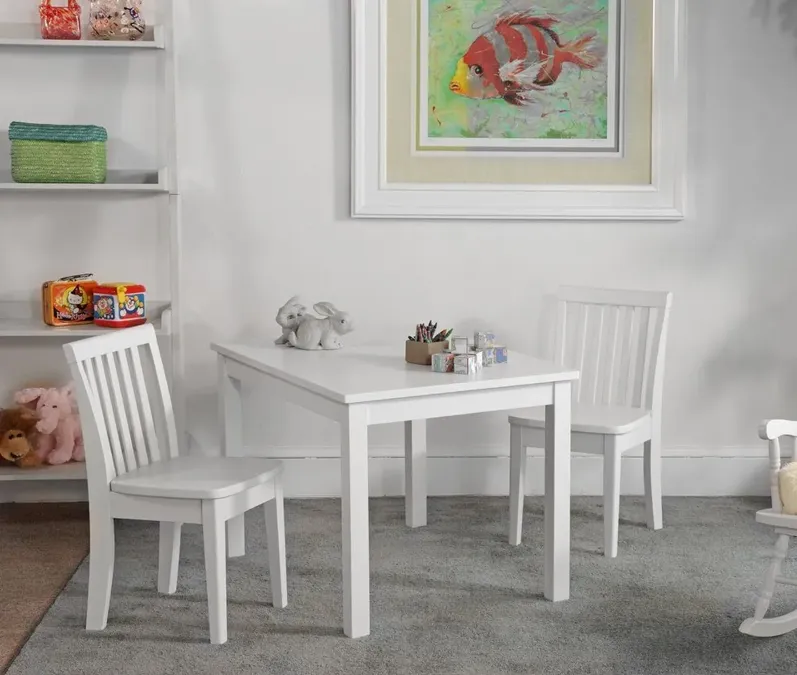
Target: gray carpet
{"type": "Point", "coordinates": [452, 598]}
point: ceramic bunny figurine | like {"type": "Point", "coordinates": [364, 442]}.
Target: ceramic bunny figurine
{"type": "Point", "coordinates": [289, 316]}
{"type": "Point", "coordinates": [314, 333]}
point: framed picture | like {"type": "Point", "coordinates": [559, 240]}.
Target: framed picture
{"type": "Point", "coordinates": [567, 110]}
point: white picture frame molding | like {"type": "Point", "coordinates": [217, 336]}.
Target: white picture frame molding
{"type": "Point", "coordinates": [662, 200]}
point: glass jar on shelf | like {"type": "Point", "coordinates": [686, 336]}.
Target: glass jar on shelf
{"type": "Point", "coordinates": [116, 20]}
{"type": "Point", "coordinates": [60, 22]}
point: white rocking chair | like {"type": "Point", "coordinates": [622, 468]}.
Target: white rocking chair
{"type": "Point", "coordinates": [785, 526]}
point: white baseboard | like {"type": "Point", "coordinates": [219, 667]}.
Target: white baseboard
{"type": "Point", "coordinates": [315, 472]}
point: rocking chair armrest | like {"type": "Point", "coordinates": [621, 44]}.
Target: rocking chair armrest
{"type": "Point", "coordinates": [769, 430]}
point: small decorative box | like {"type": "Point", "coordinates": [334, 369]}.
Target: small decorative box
{"type": "Point", "coordinates": [120, 305]}
{"type": "Point", "coordinates": [483, 339]}
{"type": "Point", "coordinates": [500, 354]}
{"type": "Point", "coordinates": [459, 345]}
{"type": "Point", "coordinates": [465, 364]}
{"type": "Point", "coordinates": [488, 355]}
{"type": "Point", "coordinates": [443, 362]}
{"type": "Point", "coordinates": [479, 359]}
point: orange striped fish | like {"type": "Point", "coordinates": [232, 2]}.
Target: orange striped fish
{"type": "Point", "coordinates": [519, 54]}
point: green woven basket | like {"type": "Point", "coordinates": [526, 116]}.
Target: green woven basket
{"type": "Point", "coordinates": [55, 153]}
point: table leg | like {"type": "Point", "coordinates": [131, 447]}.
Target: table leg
{"type": "Point", "coordinates": [415, 473]}
{"type": "Point", "coordinates": [231, 421]}
{"type": "Point", "coordinates": [354, 503]}
{"type": "Point", "coordinates": [557, 494]}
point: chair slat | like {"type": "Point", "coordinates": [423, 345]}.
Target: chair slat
{"type": "Point", "coordinates": [626, 332]}
{"type": "Point", "coordinates": [581, 347]}
{"type": "Point", "coordinates": [641, 353]}
{"type": "Point", "coordinates": [561, 333]}
{"type": "Point", "coordinates": [146, 409]}
{"type": "Point", "coordinates": [656, 349]}
{"type": "Point", "coordinates": [119, 407]}
{"type": "Point", "coordinates": [139, 443]}
{"type": "Point", "coordinates": [613, 358]}
{"type": "Point", "coordinates": [86, 369]}
{"type": "Point", "coordinates": [598, 347]}
{"type": "Point", "coordinates": [109, 417]}
{"type": "Point", "coordinates": [166, 399]}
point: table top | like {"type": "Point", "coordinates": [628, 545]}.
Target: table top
{"type": "Point", "coordinates": [379, 373]}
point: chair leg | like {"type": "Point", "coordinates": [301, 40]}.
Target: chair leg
{"type": "Point", "coordinates": [168, 556]}
{"type": "Point", "coordinates": [517, 478]}
{"type": "Point", "coordinates": [611, 500]}
{"type": "Point", "coordinates": [214, 535]}
{"type": "Point", "coordinates": [652, 470]}
{"type": "Point", "coordinates": [275, 540]}
{"type": "Point", "coordinates": [758, 626]}
{"type": "Point", "coordinates": [101, 560]}
{"type": "Point", "coordinates": [236, 537]}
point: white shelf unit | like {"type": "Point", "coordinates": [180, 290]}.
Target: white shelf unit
{"type": "Point", "coordinates": [22, 319]}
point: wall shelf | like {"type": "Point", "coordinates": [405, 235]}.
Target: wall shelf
{"type": "Point", "coordinates": [70, 471]}
{"type": "Point", "coordinates": [118, 181]}
{"type": "Point", "coordinates": [20, 319]}
{"type": "Point", "coordinates": [29, 35]}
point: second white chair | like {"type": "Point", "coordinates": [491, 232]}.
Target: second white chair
{"type": "Point", "coordinates": [616, 339]}
{"type": "Point", "coordinates": [135, 472]}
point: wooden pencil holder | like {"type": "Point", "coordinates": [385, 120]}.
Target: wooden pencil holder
{"type": "Point", "coordinates": [420, 353]}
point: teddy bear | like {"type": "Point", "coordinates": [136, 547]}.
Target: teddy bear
{"type": "Point", "coordinates": [18, 436]}
{"type": "Point", "coordinates": [60, 435]}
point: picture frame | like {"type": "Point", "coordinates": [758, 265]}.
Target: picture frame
{"type": "Point", "coordinates": [642, 177]}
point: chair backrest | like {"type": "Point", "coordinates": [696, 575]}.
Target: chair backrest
{"type": "Point", "coordinates": [773, 431]}
{"type": "Point", "coordinates": [617, 340]}
{"type": "Point", "coordinates": [123, 397]}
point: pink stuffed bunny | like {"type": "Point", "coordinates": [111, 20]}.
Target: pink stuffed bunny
{"type": "Point", "coordinates": [61, 438]}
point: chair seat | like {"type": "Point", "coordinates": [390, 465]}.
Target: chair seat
{"type": "Point", "coordinates": [775, 519]}
{"type": "Point", "coordinates": [589, 419]}
{"type": "Point", "coordinates": [197, 477]}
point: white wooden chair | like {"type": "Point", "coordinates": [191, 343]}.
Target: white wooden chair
{"type": "Point", "coordinates": [135, 472]}
{"type": "Point", "coordinates": [616, 339]}
{"type": "Point", "coordinates": [785, 526]}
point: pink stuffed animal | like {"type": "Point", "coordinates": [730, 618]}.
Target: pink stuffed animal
{"type": "Point", "coordinates": [60, 435]}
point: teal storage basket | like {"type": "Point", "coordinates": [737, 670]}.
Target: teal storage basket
{"type": "Point", "coordinates": [58, 153]}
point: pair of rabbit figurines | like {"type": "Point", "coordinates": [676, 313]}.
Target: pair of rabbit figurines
{"type": "Point", "coordinates": [305, 331]}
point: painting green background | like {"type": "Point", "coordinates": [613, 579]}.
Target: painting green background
{"type": "Point", "coordinates": [451, 33]}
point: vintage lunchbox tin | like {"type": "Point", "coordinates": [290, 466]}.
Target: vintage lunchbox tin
{"type": "Point", "coordinates": [68, 301]}
{"type": "Point", "coordinates": [119, 305]}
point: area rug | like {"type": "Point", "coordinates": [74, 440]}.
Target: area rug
{"type": "Point", "coordinates": [449, 598]}
{"type": "Point", "coordinates": [41, 546]}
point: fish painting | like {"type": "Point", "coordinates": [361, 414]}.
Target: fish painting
{"type": "Point", "coordinates": [518, 75]}
{"type": "Point", "coordinates": [519, 54]}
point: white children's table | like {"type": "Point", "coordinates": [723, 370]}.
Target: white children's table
{"type": "Point", "coordinates": [363, 386]}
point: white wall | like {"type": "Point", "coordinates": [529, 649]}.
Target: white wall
{"type": "Point", "coordinates": [264, 154]}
